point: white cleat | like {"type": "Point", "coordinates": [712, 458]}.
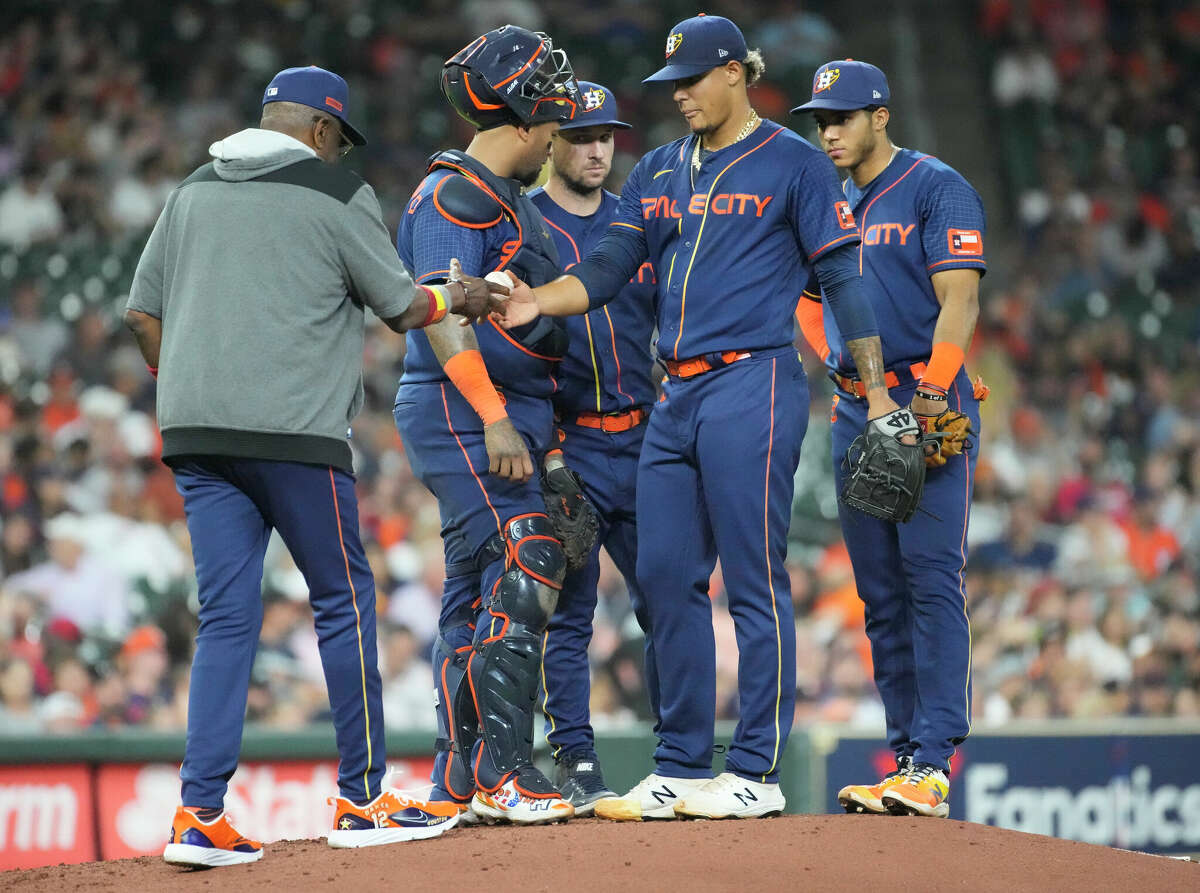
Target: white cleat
{"type": "Point", "coordinates": [654, 797]}
{"type": "Point", "coordinates": [729, 796]}
{"type": "Point", "coordinates": [509, 804]}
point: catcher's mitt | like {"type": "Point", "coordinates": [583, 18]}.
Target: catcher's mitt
{"type": "Point", "coordinates": [884, 475]}
{"type": "Point", "coordinates": [571, 513]}
{"type": "Point", "coordinates": [946, 435]}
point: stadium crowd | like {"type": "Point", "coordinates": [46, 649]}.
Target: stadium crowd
{"type": "Point", "coordinates": [1085, 539]}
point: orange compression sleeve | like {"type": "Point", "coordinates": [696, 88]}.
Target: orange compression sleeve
{"type": "Point", "coordinates": [808, 314]}
{"type": "Point", "coordinates": [945, 361]}
{"type": "Point", "coordinates": [470, 376]}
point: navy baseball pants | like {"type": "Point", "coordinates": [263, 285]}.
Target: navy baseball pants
{"type": "Point", "coordinates": [607, 463]}
{"type": "Point", "coordinates": [716, 479]}
{"type": "Point", "coordinates": [232, 505]}
{"type": "Point", "coordinates": [443, 440]}
{"type": "Point", "coordinates": [912, 580]}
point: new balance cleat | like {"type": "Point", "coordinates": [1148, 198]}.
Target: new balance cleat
{"type": "Point", "coordinates": [654, 797]}
{"type": "Point", "coordinates": [868, 798]}
{"type": "Point", "coordinates": [579, 779]}
{"type": "Point", "coordinates": [925, 791]}
{"type": "Point", "coordinates": [730, 796]}
{"type": "Point", "coordinates": [524, 798]}
{"type": "Point", "coordinates": [389, 818]}
{"type": "Point", "coordinates": [208, 844]}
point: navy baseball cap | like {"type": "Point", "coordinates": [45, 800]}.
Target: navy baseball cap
{"type": "Point", "coordinates": [317, 88]}
{"type": "Point", "coordinates": [699, 44]}
{"type": "Point", "coordinates": [845, 85]}
{"type": "Point", "coordinates": [597, 107]}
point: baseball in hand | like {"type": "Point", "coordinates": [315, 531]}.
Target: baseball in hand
{"type": "Point", "coordinates": [499, 277]}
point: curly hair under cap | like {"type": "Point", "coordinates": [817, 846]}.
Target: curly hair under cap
{"type": "Point", "coordinates": [755, 67]}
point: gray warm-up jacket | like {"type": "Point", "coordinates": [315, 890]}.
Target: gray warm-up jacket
{"type": "Point", "coordinates": [259, 268]}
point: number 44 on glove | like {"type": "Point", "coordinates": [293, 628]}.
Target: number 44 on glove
{"type": "Point", "coordinates": [885, 475]}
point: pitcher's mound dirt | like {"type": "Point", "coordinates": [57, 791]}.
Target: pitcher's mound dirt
{"type": "Point", "coordinates": [834, 852]}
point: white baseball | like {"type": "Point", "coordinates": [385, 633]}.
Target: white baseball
{"type": "Point", "coordinates": [499, 277]}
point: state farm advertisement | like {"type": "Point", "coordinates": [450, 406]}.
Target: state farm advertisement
{"type": "Point", "coordinates": [45, 815]}
{"type": "Point", "coordinates": [267, 801]}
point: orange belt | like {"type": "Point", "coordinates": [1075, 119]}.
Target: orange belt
{"type": "Point", "coordinates": [612, 422]}
{"type": "Point", "coordinates": [856, 387]}
{"type": "Point", "coordinates": [892, 380]}
{"type": "Point", "coordinates": [706, 363]}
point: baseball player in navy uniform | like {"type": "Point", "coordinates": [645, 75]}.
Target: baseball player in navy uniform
{"type": "Point", "coordinates": [474, 412]}
{"type": "Point", "coordinates": [921, 256]}
{"type": "Point", "coordinates": [733, 218]}
{"type": "Point", "coordinates": [603, 401]}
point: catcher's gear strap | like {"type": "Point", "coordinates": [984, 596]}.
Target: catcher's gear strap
{"type": "Point", "coordinates": [884, 475]}
{"type": "Point", "coordinates": [464, 202]}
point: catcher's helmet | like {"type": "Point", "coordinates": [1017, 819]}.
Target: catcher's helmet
{"type": "Point", "coordinates": [511, 76]}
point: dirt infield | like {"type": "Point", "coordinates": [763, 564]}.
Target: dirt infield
{"type": "Point", "coordinates": [788, 853]}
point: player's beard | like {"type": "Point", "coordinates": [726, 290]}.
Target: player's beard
{"type": "Point", "coordinates": [583, 190]}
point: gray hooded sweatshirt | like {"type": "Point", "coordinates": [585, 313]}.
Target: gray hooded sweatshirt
{"type": "Point", "coordinates": [259, 268]}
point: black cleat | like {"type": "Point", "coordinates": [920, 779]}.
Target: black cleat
{"type": "Point", "coordinates": [580, 781]}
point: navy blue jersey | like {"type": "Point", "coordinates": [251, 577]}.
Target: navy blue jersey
{"type": "Point", "coordinates": [733, 243]}
{"type": "Point", "coordinates": [523, 359]}
{"type": "Point", "coordinates": [917, 217]}
{"type": "Point", "coordinates": [607, 365]}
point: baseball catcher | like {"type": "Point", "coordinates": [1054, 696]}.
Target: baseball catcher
{"type": "Point", "coordinates": [885, 466]}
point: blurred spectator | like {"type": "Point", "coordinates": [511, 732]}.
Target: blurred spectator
{"type": "Point", "coordinates": [18, 715]}
{"type": "Point", "coordinates": [1024, 546]}
{"type": "Point", "coordinates": [39, 338]}
{"type": "Point", "coordinates": [75, 584]}
{"type": "Point", "coordinates": [408, 685]}
{"type": "Point", "coordinates": [29, 211]}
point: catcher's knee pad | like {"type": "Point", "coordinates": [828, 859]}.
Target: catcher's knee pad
{"type": "Point", "coordinates": [504, 677]}
{"type": "Point", "coordinates": [458, 723]}
{"type": "Point", "coordinates": [528, 591]}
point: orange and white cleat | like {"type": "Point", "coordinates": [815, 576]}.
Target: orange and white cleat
{"type": "Point", "coordinates": [208, 844]}
{"type": "Point", "coordinates": [389, 818]}
{"type": "Point", "coordinates": [868, 798]}
{"type": "Point", "coordinates": [925, 791]}
{"type": "Point", "coordinates": [509, 803]}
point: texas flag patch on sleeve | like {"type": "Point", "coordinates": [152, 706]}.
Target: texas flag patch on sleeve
{"type": "Point", "coordinates": [965, 242]}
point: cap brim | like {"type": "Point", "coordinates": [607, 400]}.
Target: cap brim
{"type": "Point", "coordinates": [678, 72]}
{"type": "Point", "coordinates": [834, 105]}
{"type": "Point", "coordinates": [576, 123]}
{"type": "Point", "coordinates": [352, 132]}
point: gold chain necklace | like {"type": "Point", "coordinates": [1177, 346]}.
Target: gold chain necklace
{"type": "Point", "coordinates": [747, 129]}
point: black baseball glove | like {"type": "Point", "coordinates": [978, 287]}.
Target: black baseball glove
{"type": "Point", "coordinates": [571, 513]}
{"type": "Point", "coordinates": [884, 475]}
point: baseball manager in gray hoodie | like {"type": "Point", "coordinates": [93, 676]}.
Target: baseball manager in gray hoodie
{"type": "Point", "coordinates": [248, 305]}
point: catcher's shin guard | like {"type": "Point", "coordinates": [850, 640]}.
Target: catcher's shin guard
{"type": "Point", "coordinates": [505, 666]}
{"type": "Point", "coordinates": [458, 724]}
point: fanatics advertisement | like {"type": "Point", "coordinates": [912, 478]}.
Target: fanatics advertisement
{"type": "Point", "coordinates": [1138, 792]}
{"type": "Point", "coordinates": [48, 813]}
